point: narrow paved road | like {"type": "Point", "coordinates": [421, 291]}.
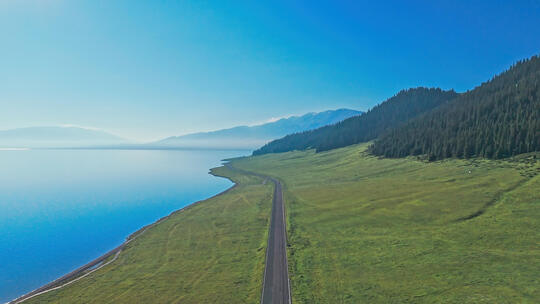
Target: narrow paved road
{"type": "Point", "coordinates": [276, 287]}
{"type": "Point", "coordinates": [276, 284]}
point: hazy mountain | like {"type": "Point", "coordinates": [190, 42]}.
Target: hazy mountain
{"type": "Point", "coordinates": [391, 113]}
{"type": "Point", "coordinates": [59, 137]}
{"type": "Point", "coordinates": [250, 137]}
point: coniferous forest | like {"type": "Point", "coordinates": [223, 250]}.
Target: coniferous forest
{"type": "Point", "coordinates": [393, 112]}
{"type": "Point", "coordinates": [498, 119]}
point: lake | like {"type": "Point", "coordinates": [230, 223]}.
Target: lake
{"type": "Point", "coordinates": [60, 209]}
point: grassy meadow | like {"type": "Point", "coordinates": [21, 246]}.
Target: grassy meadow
{"type": "Point", "coordinates": [212, 252]}
{"type": "Point", "coordinates": [368, 230]}
{"type": "Point", "coordinates": [361, 230]}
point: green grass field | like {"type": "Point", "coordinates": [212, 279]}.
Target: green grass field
{"type": "Point", "coordinates": [369, 230]}
{"type": "Point", "coordinates": [361, 230]}
{"type": "Point", "coordinates": [212, 252]}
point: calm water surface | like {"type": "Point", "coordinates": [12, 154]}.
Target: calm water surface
{"type": "Point", "coordinates": [59, 209]}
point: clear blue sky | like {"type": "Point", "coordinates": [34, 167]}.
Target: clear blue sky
{"type": "Point", "coordinates": [148, 69]}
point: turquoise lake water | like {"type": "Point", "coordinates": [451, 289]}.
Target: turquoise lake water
{"type": "Point", "coordinates": [60, 209]}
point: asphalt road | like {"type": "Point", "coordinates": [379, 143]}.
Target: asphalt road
{"type": "Point", "coordinates": [276, 286]}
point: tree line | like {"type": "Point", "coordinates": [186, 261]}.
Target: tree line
{"type": "Point", "coordinates": [391, 113]}
{"type": "Point", "coordinates": [498, 119]}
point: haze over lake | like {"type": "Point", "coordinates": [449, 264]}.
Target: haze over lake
{"type": "Point", "coordinates": [62, 208]}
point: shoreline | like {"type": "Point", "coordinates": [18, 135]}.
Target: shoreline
{"type": "Point", "coordinates": [98, 262]}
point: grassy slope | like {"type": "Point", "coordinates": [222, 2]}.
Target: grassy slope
{"type": "Point", "coordinates": [210, 253]}
{"type": "Point", "coordinates": [368, 230]}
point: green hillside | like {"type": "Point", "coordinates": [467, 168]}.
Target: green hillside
{"type": "Point", "coordinates": [391, 113]}
{"type": "Point", "coordinates": [369, 230]}
{"type": "Point", "coordinates": [498, 119]}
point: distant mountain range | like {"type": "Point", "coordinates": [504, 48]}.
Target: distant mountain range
{"type": "Point", "coordinates": [243, 137]}
{"type": "Point", "coordinates": [250, 137]}
{"type": "Point", "coordinates": [56, 137]}
{"type": "Point", "coordinates": [392, 112]}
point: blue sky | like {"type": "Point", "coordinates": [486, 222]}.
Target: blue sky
{"type": "Point", "coordinates": [149, 69]}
